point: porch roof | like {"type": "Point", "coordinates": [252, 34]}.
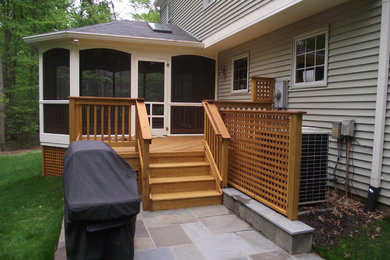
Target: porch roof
{"type": "Point", "coordinates": [125, 31]}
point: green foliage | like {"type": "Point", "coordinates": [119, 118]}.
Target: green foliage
{"type": "Point", "coordinates": [91, 13]}
{"type": "Point", "coordinates": [20, 18]}
{"type": "Point", "coordinates": [145, 11]}
{"type": "Point", "coordinates": [31, 208]}
{"type": "Point", "coordinates": [368, 243]}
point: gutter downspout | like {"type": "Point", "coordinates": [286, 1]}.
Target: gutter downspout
{"type": "Point", "coordinates": [381, 102]}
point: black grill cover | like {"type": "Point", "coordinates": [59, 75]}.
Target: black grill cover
{"type": "Point", "coordinates": [101, 203]}
{"type": "Point", "coordinates": [100, 188]}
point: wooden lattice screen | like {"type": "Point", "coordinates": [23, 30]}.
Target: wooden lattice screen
{"type": "Point", "coordinates": [262, 89]}
{"type": "Point", "coordinates": [264, 156]}
{"type": "Point", "coordinates": [52, 160]}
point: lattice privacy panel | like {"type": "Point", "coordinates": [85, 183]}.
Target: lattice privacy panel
{"type": "Point", "coordinates": [52, 160]}
{"type": "Point", "coordinates": [314, 164]}
{"type": "Point", "coordinates": [263, 89]}
{"type": "Point", "coordinates": [258, 155]}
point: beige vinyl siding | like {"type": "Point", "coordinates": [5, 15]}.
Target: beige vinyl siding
{"type": "Point", "coordinates": [385, 183]}
{"type": "Point", "coordinates": [203, 22]}
{"type": "Point", "coordinates": [353, 48]}
{"type": "Point", "coordinates": [163, 15]}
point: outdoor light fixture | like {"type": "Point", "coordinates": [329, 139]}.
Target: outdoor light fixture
{"type": "Point", "coordinates": [221, 72]}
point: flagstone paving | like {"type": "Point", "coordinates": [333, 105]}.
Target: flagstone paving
{"type": "Point", "coordinates": [202, 233]}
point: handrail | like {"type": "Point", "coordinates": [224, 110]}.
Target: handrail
{"type": "Point", "coordinates": [244, 105]}
{"type": "Point", "coordinates": [216, 138]}
{"type": "Point", "coordinates": [144, 139]}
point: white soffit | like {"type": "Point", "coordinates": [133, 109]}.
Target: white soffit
{"type": "Point", "coordinates": [271, 16]}
{"type": "Point", "coordinates": [59, 36]}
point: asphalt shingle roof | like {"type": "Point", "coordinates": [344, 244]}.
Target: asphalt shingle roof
{"type": "Point", "coordinates": [126, 28]}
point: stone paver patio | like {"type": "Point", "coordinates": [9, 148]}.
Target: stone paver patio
{"type": "Point", "coordinates": [202, 233]}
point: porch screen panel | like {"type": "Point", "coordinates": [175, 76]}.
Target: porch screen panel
{"type": "Point", "coordinates": [104, 73]}
{"type": "Point", "coordinates": [55, 91]}
{"type": "Point", "coordinates": [56, 118]}
{"type": "Point", "coordinates": [151, 88]}
{"type": "Point", "coordinates": [193, 80]}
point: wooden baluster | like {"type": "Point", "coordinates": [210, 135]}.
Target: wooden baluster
{"type": "Point", "coordinates": [79, 115]}
{"type": "Point", "coordinates": [116, 123]}
{"type": "Point", "coordinates": [88, 107]}
{"type": "Point", "coordinates": [109, 124]}
{"type": "Point", "coordinates": [123, 123]}
{"type": "Point", "coordinates": [129, 123]}
{"type": "Point", "coordinates": [94, 122]}
{"type": "Point", "coordinates": [102, 123]}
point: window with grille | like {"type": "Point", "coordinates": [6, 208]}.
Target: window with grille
{"type": "Point", "coordinates": [240, 73]}
{"type": "Point", "coordinates": [310, 60]}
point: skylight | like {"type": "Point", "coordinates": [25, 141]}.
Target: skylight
{"type": "Point", "coordinates": [158, 27]}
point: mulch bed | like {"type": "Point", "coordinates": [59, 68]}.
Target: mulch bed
{"type": "Point", "coordinates": [338, 217]}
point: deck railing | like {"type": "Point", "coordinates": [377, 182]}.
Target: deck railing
{"type": "Point", "coordinates": [110, 120]}
{"type": "Point", "coordinates": [264, 153]}
{"type": "Point", "coordinates": [216, 139]}
{"type": "Point", "coordinates": [105, 119]}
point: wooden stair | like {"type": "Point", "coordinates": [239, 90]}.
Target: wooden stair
{"type": "Point", "coordinates": [181, 180]}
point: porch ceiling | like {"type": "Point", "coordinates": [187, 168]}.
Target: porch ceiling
{"type": "Point", "coordinates": [274, 15]}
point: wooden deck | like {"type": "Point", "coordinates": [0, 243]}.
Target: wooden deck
{"type": "Point", "coordinates": [168, 144]}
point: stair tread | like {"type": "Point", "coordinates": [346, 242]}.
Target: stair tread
{"type": "Point", "coordinates": [178, 164]}
{"type": "Point", "coordinates": [184, 195]}
{"type": "Point", "coordinates": [159, 180]}
{"type": "Point", "coordinates": [176, 154]}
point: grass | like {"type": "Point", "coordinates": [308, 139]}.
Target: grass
{"type": "Point", "coordinates": [31, 208]}
{"type": "Point", "coordinates": [371, 242]}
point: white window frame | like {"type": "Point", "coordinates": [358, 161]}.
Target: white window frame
{"type": "Point", "coordinates": [244, 55]}
{"type": "Point", "coordinates": [322, 83]}
{"type": "Point", "coordinates": [169, 11]}
{"type": "Point", "coordinates": [207, 3]}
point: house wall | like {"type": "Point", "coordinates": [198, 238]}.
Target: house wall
{"type": "Point", "coordinates": [385, 183]}
{"type": "Point", "coordinates": [203, 22]}
{"type": "Point", "coordinates": [354, 31]}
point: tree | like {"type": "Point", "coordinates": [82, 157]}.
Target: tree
{"type": "Point", "coordinates": [140, 6]}
{"type": "Point", "coordinates": [2, 129]}
{"type": "Point", "coordinates": [20, 18]}
{"type": "Point", "coordinates": [91, 12]}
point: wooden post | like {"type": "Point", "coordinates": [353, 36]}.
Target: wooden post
{"type": "Point", "coordinates": [224, 162]}
{"type": "Point", "coordinates": [146, 205]}
{"type": "Point", "coordinates": [72, 119]}
{"type": "Point", "coordinates": [294, 165]}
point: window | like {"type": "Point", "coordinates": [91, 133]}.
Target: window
{"type": "Point", "coordinates": [310, 60]}
{"type": "Point", "coordinates": [240, 73]}
{"type": "Point", "coordinates": [206, 3]}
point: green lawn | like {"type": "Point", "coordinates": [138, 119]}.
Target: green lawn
{"type": "Point", "coordinates": [371, 243]}
{"type": "Point", "coordinates": [31, 208]}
